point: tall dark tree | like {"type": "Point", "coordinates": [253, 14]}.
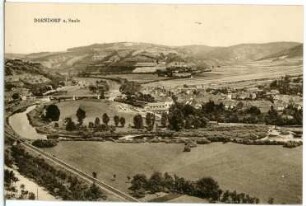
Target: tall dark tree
{"type": "Point", "coordinates": [272, 116]}
{"type": "Point", "coordinates": [116, 120]}
{"type": "Point", "coordinates": [97, 122]}
{"type": "Point", "coordinates": [52, 112]}
{"type": "Point", "coordinates": [105, 118]}
{"type": "Point", "coordinates": [94, 174]}
{"type": "Point", "coordinates": [176, 118]}
{"type": "Point", "coordinates": [102, 94]}
{"type": "Point", "coordinates": [164, 119]}
{"type": "Point", "coordinates": [122, 121]}
{"type": "Point", "coordinates": [138, 121]}
{"type": "Point", "coordinates": [81, 114]}
{"type": "Point", "coordinates": [150, 120]}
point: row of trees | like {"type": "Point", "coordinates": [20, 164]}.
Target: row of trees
{"type": "Point", "coordinates": [180, 116]}
{"type": "Point", "coordinates": [97, 124]}
{"type": "Point", "coordinates": [56, 181]}
{"type": "Point", "coordinates": [205, 187]}
{"type": "Point", "coordinates": [149, 120]}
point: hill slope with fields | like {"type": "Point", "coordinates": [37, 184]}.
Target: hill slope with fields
{"type": "Point", "coordinates": [127, 55]}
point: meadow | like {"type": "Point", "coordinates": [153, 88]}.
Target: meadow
{"type": "Point", "coordinates": [262, 171]}
{"type": "Point", "coordinates": [95, 108]}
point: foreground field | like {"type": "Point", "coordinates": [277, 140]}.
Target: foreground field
{"type": "Point", "coordinates": [261, 171]}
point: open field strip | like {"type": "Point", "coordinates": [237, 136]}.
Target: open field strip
{"type": "Point", "coordinates": [263, 171]}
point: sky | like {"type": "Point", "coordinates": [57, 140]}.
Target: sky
{"type": "Point", "coordinates": [174, 25]}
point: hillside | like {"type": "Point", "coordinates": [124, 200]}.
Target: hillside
{"type": "Point", "coordinates": [293, 52]}
{"type": "Point", "coordinates": [30, 73]}
{"type": "Point", "coordinates": [126, 56]}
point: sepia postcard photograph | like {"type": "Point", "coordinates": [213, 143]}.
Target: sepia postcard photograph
{"type": "Point", "coordinates": [163, 103]}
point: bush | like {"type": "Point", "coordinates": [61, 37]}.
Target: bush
{"type": "Point", "coordinates": [44, 143]}
{"type": "Point", "coordinates": [52, 113]}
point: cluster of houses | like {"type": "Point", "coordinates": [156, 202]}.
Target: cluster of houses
{"type": "Point", "coordinates": [263, 99]}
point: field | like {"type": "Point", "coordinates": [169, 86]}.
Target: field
{"type": "Point", "coordinates": [241, 72]}
{"type": "Point", "coordinates": [262, 171]}
{"type": "Point", "coordinates": [95, 108]}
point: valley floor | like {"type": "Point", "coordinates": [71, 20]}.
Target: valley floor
{"type": "Point", "coordinates": [262, 171]}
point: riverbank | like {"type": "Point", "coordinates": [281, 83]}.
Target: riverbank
{"type": "Point", "coordinates": [241, 134]}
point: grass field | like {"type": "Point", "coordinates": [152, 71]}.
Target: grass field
{"type": "Point", "coordinates": [262, 171]}
{"type": "Point", "coordinates": [93, 109]}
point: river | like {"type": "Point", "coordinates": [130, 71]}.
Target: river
{"type": "Point", "coordinates": [21, 125]}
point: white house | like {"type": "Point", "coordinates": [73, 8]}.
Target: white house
{"type": "Point", "coordinates": [158, 107]}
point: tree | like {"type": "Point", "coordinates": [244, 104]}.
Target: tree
{"type": "Point", "coordinates": [122, 121]}
{"type": "Point", "coordinates": [138, 182]}
{"type": "Point", "coordinates": [271, 201]}
{"type": "Point", "coordinates": [138, 121]}
{"type": "Point", "coordinates": [70, 125]}
{"type": "Point", "coordinates": [92, 88]}
{"type": "Point", "coordinates": [207, 187]}
{"type": "Point", "coordinates": [116, 120]}
{"type": "Point", "coordinates": [112, 128]}
{"type": "Point", "coordinates": [175, 118]}
{"type": "Point", "coordinates": [52, 112]}
{"type": "Point", "coordinates": [239, 105]}
{"type": "Point", "coordinates": [97, 122]}
{"type": "Point", "coordinates": [90, 125]}
{"type": "Point", "coordinates": [105, 118]}
{"type": "Point", "coordinates": [188, 110]}
{"type": "Point", "coordinates": [164, 119]}
{"type": "Point", "coordinates": [225, 197]}
{"type": "Point", "coordinates": [168, 182]}
{"type": "Point", "coordinates": [94, 175]}
{"type": "Point", "coordinates": [94, 193]}
{"type": "Point", "coordinates": [81, 114]}
{"type": "Point", "coordinates": [150, 120]}
{"type": "Point", "coordinates": [31, 196]}
{"type": "Point", "coordinates": [102, 95]}
{"type": "Point", "coordinates": [272, 116]}
{"type": "Point", "coordinates": [22, 187]}
{"type": "Point", "coordinates": [16, 96]}
{"type": "Point", "coordinates": [253, 110]}
{"type": "Point", "coordinates": [155, 183]}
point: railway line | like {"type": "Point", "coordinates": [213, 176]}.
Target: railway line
{"type": "Point", "coordinates": [107, 188]}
